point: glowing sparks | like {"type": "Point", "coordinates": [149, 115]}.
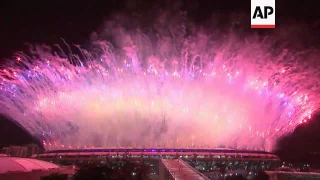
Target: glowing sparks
{"type": "Point", "coordinates": [162, 97]}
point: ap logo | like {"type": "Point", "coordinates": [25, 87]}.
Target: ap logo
{"type": "Point", "coordinates": [263, 14]}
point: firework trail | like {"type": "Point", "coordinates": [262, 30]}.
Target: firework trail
{"type": "Point", "coordinates": [172, 85]}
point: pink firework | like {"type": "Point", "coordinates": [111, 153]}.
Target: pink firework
{"type": "Point", "coordinates": [175, 86]}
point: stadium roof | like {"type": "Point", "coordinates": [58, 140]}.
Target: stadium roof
{"type": "Point", "coordinates": [12, 164]}
{"type": "Point", "coordinates": [215, 150]}
{"type": "Point", "coordinates": [219, 154]}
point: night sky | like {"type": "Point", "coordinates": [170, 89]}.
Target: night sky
{"type": "Point", "coordinates": [41, 22]}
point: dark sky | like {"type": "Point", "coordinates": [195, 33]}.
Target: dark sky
{"type": "Point", "coordinates": [48, 21]}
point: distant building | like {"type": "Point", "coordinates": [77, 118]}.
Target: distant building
{"type": "Point", "coordinates": [33, 149]}
{"type": "Point", "coordinates": [5, 150]}
{"type": "Point", "coordinates": [16, 151]}
{"type": "Point", "coordinates": [21, 151]}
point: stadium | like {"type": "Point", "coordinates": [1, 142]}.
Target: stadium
{"type": "Point", "coordinates": [207, 161]}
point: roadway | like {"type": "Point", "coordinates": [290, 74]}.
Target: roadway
{"type": "Point", "coordinates": [180, 170]}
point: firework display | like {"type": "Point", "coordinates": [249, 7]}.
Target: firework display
{"type": "Point", "coordinates": [167, 86]}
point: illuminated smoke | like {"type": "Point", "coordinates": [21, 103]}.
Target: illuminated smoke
{"type": "Point", "coordinates": [170, 85]}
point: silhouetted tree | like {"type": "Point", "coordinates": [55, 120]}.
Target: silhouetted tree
{"type": "Point", "coordinates": [298, 146]}
{"type": "Point", "coordinates": [64, 162]}
{"type": "Point", "coordinates": [261, 176]}
{"type": "Point", "coordinates": [113, 170]}
{"type": "Point", "coordinates": [237, 177]}
{"type": "Point", "coordinates": [222, 169]}
{"type": "Point", "coordinates": [55, 176]}
{"type": "Point", "coordinates": [94, 172]}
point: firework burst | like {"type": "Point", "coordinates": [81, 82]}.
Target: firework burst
{"type": "Point", "coordinates": [172, 86]}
